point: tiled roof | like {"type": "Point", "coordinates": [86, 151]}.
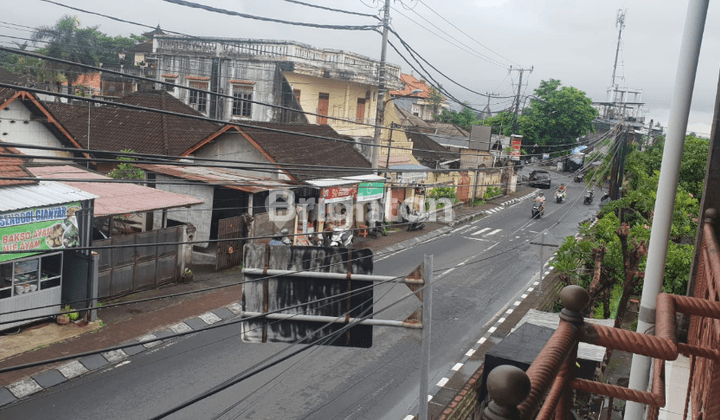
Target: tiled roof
{"type": "Point", "coordinates": [5, 94]}
{"type": "Point", "coordinates": [298, 149]}
{"type": "Point", "coordinates": [13, 167]}
{"type": "Point", "coordinates": [227, 178]}
{"type": "Point", "coordinates": [427, 149]}
{"type": "Point", "coordinates": [411, 83]}
{"type": "Point", "coordinates": [115, 129]}
{"type": "Point", "coordinates": [14, 78]}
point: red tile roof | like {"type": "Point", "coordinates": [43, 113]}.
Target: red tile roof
{"type": "Point", "coordinates": [411, 83]}
{"type": "Point", "coordinates": [115, 129]}
{"type": "Point", "coordinates": [13, 167]}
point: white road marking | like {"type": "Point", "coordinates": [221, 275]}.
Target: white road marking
{"type": "Point", "coordinates": [536, 283]}
{"type": "Point", "coordinates": [501, 320]}
{"type": "Point", "coordinates": [449, 270]}
{"type": "Point", "coordinates": [457, 367]}
{"type": "Point", "coordinates": [517, 302]}
{"type": "Point", "coordinates": [492, 329]}
{"type": "Point", "coordinates": [441, 383]}
{"type": "Point", "coordinates": [482, 340]}
{"type": "Point", "coordinates": [523, 296]}
{"type": "Point", "coordinates": [478, 239]}
{"type": "Point", "coordinates": [470, 353]}
{"type": "Point", "coordinates": [481, 231]}
{"type": "Point", "coordinates": [494, 232]}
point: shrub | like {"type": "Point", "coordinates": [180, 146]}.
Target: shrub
{"type": "Point", "coordinates": [492, 192]}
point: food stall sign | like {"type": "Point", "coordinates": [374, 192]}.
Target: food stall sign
{"type": "Point", "coordinates": [368, 191]}
{"type": "Point", "coordinates": [38, 229]}
{"type": "Point", "coordinates": [338, 194]}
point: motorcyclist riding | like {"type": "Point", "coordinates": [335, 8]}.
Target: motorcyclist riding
{"type": "Point", "coordinates": [541, 199]}
{"type": "Point", "coordinates": [562, 189]}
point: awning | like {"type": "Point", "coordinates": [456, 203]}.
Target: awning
{"type": "Point", "coordinates": [113, 198]}
{"type": "Point", "coordinates": [45, 193]}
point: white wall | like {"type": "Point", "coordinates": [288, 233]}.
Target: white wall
{"type": "Point", "coordinates": [26, 131]}
{"type": "Point", "coordinates": [199, 215]}
{"type": "Point", "coordinates": [233, 146]}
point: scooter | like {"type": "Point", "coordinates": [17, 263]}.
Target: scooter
{"type": "Point", "coordinates": [588, 197]}
{"type": "Point", "coordinates": [416, 221]}
{"type": "Point", "coordinates": [538, 209]}
{"type": "Point", "coordinates": [341, 237]}
{"type": "Point", "coordinates": [559, 196]}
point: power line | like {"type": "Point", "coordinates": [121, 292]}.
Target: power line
{"type": "Point", "coordinates": [467, 35]}
{"type": "Point", "coordinates": [331, 9]}
{"type": "Point", "coordinates": [266, 19]}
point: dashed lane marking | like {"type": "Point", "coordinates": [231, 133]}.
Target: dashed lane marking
{"type": "Point", "coordinates": [481, 231]}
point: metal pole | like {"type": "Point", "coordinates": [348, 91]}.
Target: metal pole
{"type": "Point", "coordinates": [667, 188]}
{"type": "Point", "coordinates": [542, 265]}
{"type": "Point", "coordinates": [426, 321]}
{"type": "Point", "coordinates": [380, 109]}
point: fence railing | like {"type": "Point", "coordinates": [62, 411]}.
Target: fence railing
{"type": "Point", "coordinates": [545, 390]}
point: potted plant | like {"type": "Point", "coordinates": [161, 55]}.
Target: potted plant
{"type": "Point", "coordinates": [187, 276]}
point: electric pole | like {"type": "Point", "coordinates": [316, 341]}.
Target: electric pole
{"type": "Point", "coordinates": [517, 97]}
{"type": "Point", "coordinates": [380, 109]}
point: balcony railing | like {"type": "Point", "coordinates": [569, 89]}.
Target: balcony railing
{"type": "Point", "coordinates": [342, 61]}
{"type": "Point", "coordinates": [545, 389]}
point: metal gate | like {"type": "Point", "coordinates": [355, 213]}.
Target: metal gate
{"type": "Point", "coordinates": [230, 253]}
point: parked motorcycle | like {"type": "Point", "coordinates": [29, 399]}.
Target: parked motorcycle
{"type": "Point", "coordinates": [538, 209]}
{"type": "Point", "coordinates": [588, 197]}
{"type": "Point", "coordinates": [416, 221]}
{"type": "Point", "coordinates": [341, 237]}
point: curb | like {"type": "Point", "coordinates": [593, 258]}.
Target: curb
{"type": "Point", "coordinates": [51, 377]}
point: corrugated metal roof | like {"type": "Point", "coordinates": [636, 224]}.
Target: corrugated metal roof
{"type": "Point", "coordinates": [227, 178]}
{"type": "Point", "coordinates": [547, 319]}
{"type": "Point", "coordinates": [345, 180]}
{"type": "Point", "coordinates": [46, 193]}
{"type": "Point", "coordinates": [114, 198]}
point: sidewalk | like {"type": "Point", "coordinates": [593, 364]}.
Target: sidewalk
{"type": "Point", "coordinates": [136, 323]}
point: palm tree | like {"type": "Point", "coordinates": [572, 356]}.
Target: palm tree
{"type": "Point", "coordinates": [66, 40]}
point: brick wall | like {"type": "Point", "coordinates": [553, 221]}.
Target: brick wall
{"type": "Point", "coordinates": [464, 406]}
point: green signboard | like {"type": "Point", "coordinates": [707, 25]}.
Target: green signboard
{"type": "Point", "coordinates": [37, 229]}
{"type": "Point", "coordinates": [370, 191]}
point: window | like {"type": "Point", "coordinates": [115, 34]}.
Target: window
{"type": "Point", "coordinates": [171, 86]}
{"type": "Point", "coordinates": [242, 107]}
{"type": "Point", "coordinates": [198, 100]}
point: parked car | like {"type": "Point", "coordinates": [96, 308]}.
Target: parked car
{"type": "Point", "coordinates": [539, 179]}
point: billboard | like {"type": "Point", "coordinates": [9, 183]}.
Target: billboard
{"type": "Point", "coordinates": [39, 229]}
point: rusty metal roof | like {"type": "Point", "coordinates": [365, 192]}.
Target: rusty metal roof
{"type": "Point", "coordinates": [114, 198]}
{"type": "Point", "coordinates": [227, 178]}
{"type": "Point", "coordinates": [12, 167]}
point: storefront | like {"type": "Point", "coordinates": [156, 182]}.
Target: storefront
{"type": "Point", "coordinates": [38, 223]}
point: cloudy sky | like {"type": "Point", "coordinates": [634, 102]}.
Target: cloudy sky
{"type": "Point", "coordinates": [472, 41]}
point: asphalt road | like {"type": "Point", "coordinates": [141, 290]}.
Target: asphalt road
{"type": "Point", "coordinates": [479, 268]}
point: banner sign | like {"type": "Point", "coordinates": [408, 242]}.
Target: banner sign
{"type": "Point", "coordinates": [368, 191]}
{"type": "Point", "coordinates": [338, 194]}
{"type": "Point", "coordinates": [515, 152]}
{"type": "Point", "coordinates": [41, 228]}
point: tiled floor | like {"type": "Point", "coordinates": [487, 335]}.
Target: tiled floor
{"type": "Point", "coordinates": [677, 373]}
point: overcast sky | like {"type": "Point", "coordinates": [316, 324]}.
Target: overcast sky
{"type": "Point", "coordinates": [570, 40]}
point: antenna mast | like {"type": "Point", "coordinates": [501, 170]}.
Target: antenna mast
{"type": "Point", "coordinates": [619, 23]}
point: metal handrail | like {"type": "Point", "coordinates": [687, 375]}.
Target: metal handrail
{"type": "Point", "coordinates": [552, 374]}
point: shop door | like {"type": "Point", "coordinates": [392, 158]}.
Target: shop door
{"type": "Point", "coordinates": [398, 196]}
{"type": "Point", "coordinates": [230, 253]}
{"type": "Point", "coordinates": [360, 116]}
{"type": "Point", "coordinates": [323, 106]}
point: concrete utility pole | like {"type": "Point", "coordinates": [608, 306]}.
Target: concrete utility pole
{"type": "Point", "coordinates": [517, 97]}
{"type": "Point", "coordinates": [667, 188]}
{"type": "Point", "coordinates": [380, 109]}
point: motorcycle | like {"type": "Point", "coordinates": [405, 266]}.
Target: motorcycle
{"type": "Point", "coordinates": [416, 221]}
{"type": "Point", "coordinates": [588, 197]}
{"type": "Point", "coordinates": [341, 237]}
{"type": "Point", "coordinates": [538, 209]}
{"type": "Point", "coordinates": [559, 196]}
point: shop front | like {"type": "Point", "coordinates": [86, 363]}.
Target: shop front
{"type": "Point", "coordinates": [34, 243]}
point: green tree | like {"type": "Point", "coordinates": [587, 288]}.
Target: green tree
{"type": "Point", "coordinates": [501, 123]}
{"type": "Point", "coordinates": [556, 115]}
{"type": "Point", "coordinates": [465, 118]}
{"type": "Point", "coordinates": [125, 169]}
{"type": "Point", "coordinates": [436, 100]}
{"type": "Point", "coordinates": [66, 40]}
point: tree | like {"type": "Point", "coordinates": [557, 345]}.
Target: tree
{"type": "Point", "coordinates": [436, 100]}
{"type": "Point", "coordinates": [501, 123]}
{"type": "Point", "coordinates": [465, 118]}
{"type": "Point", "coordinates": [125, 169]}
{"type": "Point", "coordinates": [66, 40]}
{"type": "Point", "coordinates": [556, 115]}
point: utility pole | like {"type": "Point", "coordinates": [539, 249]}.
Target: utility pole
{"type": "Point", "coordinates": [380, 109]}
{"type": "Point", "coordinates": [619, 23]}
{"type": "Point", "coordinates": [618, 166]}
{"type": "Point", "coordinates": [517, 97]}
